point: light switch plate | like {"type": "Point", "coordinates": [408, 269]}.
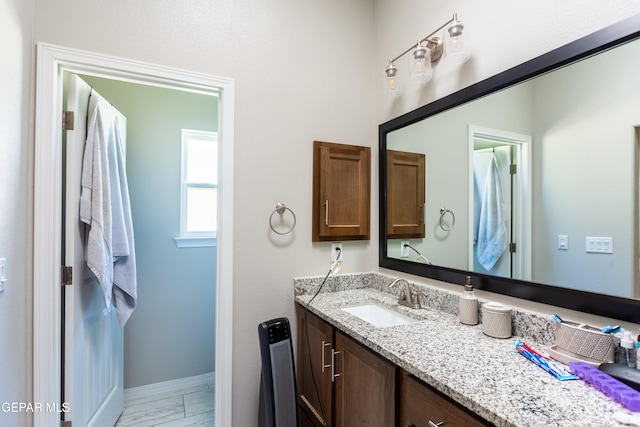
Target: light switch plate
{"type": "Point", "coordinates": [563, 242]}
{"type": "Point", "coordinates": [599, 245]}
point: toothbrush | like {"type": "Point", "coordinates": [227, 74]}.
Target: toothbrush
{"type": "Point", "coordinates": [544, 362]}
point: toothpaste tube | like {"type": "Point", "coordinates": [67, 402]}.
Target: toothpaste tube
{"type": "Point", "coordinates": [558, 371]}
{"type": "Point", "coordinates": [611, 329]}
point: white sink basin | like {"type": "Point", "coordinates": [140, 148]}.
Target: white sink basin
{"type": "Point", "coordinates": [379, 315]}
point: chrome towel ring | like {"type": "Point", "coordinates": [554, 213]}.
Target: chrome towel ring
{"type": "Point", "coordinates": [281, 208]}
{"type": "Point", "coordinates": [443, 212]}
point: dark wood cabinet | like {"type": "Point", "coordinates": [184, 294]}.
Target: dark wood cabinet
{"type": "Point", "coordinates": [341, 192]}
{"type": "Point", "coordinates": [314, 363]}
{"type": "Point", "coordinates": [424, 406]}
{"type": "Point", "coordinates": [405, 194]}
{"type": "Point", "coordinates": [365, 388]}
{"type": "Point", "coordinates": [353, 387]}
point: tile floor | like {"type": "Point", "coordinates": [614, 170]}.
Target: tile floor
{"type": "Point", "coordinates": [187, 407]}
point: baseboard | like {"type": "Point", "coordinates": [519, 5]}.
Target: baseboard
{"type": "Point", "coordinates": [165, 386]}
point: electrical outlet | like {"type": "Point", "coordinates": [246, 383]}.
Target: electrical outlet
{"type": "Point", "coordinates": [404, 251]}
{"type": "Point", "coordinates": [336, 252]}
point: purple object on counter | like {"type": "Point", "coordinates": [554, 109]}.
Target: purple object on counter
{"type": "Point", "coordinates": [618, 391]}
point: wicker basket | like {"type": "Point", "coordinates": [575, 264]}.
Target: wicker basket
{"type": "Point", "coordinates": [586, 341]}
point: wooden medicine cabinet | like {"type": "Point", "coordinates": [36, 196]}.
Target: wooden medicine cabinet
{"type": "Point", "coordinates": [405, 194]}
{"type": "Point", "coordinates": [341, 192]}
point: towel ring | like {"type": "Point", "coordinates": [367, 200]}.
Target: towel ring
{"type": "Point", "coordinates": [281, 208]}
{"type": "Point", "coordinates": [443, 212]}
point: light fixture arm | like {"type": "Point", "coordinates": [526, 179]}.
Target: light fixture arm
{"type": "Point", "coordinates": [428, 40]}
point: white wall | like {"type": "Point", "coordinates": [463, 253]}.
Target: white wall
{"type": "Point", "coordinates": [586, 140]}
{"type": "Point", "coordinates": [304, 71]}
{"type": "Point", "coordinates": [502, 34]}
{"type": "Point", "coordinates": [16, 205]}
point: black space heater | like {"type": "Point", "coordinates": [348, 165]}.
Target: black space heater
{"type": "Point", "coordinates": [277, 382]}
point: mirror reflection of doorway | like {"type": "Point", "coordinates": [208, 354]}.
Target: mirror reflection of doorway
{"type": "Point", "coordinates": [499, 203]}
{"type": "Point", "coordinates": [492, 231]}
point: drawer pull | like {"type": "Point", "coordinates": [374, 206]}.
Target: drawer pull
{"type": "Point", "coordinates": [432, 424]}
{"type": "Point", "coordinates": [333, 365]}
{"type": "Point", "coordinates": [326, 212]}
{"type": "Point", "coordinates": [324, 365]}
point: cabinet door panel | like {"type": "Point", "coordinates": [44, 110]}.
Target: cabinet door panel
{"type": "Point", "coordinates": [341, 191]}
{"type": "Point", "coordinates": [423, 404]}
{"type": "Point", "coordinates": [315, 336]}
{"type": "Point", "coordinates": [365, 387]}
{"type": "Point", "coordinates": [405, 194]}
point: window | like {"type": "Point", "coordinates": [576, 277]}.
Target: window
{"type": "Point", "coordinates": [199, 193]}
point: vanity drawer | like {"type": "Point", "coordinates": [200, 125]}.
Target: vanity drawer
{"type": "Point", "coordinates": [423, 406]}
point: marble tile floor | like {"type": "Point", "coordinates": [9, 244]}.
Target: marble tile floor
{"type": "Point", "coordinates": [187, 407]}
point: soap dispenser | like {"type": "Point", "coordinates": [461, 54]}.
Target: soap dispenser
{"type": "Point", "coordinates": [468, 305]}
{"type": "Point", "coordinates": [626, 342]}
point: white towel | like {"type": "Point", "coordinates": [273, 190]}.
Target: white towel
{"type": "Point", "coordinates": [492, 232]}
{"type": "Point", "coordinates": [105, 207]}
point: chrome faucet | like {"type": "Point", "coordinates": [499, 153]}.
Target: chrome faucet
{"type": "Point", "coordinates": [407, 298]}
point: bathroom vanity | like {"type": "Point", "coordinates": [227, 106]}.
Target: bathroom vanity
{"type": "Point", "coordinates": [365, 384]}
{"type": "Point", "coordinates": [433, 369]}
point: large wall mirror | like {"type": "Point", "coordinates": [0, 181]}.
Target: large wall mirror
{"type": "Point", "coordinates": [527, 181]}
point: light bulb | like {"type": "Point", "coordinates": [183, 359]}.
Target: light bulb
{"type": "Point", "coordinates": [420, 63]}
{"type": "Point", "coordinates": [392, 82]}
{"type": "Point", "coordinates": [456, 48]}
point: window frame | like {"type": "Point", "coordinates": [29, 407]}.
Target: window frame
{"type": "Point", "coordinates": [193, 238]}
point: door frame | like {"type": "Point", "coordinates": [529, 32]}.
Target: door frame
{"type": "Point", "coordinates": [521, 200]}
{"type": "Point", "coordinates": [52, 60]}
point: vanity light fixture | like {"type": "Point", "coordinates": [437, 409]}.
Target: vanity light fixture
{"type": "Point", "coordinates": [420, 63]}
{"type": "Point", "coordinates": [456, 47]}
{"type": "Point", "coordinates": [427, 50]}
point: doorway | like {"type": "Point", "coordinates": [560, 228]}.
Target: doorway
{"type": "Point", "coordinates": [52, 62]}
{"type": "Point", "coordinates": [488, 147]}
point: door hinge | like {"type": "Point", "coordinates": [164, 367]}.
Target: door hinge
{"type": "Point", "coordinates": [67, 276]}
{"type": "Point", "coordinates": [513, 169]}
{"type": "Point", "coordinates": [67, 120]}
{"type": "Point", "coordinates": [512, 247]}
{"type": "Point", "coordinates": [65, 423]}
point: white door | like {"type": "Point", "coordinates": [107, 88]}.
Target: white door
{"type": "Point", "coordinates": [93, 339]}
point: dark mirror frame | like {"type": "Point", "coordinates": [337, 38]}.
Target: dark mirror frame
{"type": "Point", "coordinates": [588, 302]}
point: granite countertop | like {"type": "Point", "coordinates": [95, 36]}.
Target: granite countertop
{"type": "Point", "coordinates": [484, 374]}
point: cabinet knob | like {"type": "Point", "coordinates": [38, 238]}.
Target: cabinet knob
{"type": "Point", "coordinates": [432, 424]}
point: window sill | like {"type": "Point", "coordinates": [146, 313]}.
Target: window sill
{"type": "Point", "coordinates": [195, 242]}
